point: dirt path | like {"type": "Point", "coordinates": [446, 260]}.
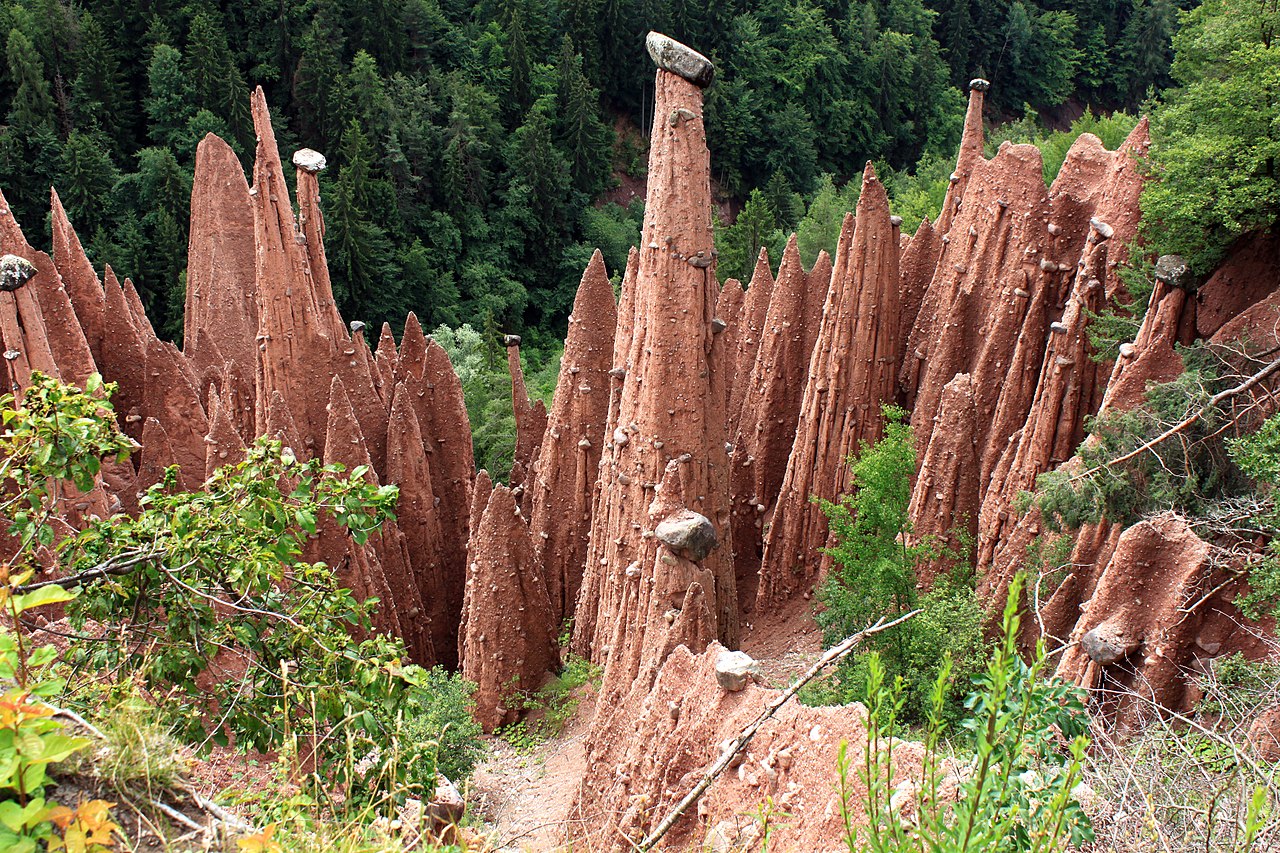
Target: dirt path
{"type": "Point", "coordinates": [525, 797]}
{"type": "Point", "coordinates": [784, 642]}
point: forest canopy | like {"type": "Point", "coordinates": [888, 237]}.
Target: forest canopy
{"type": "Point", "coordinates": [480, 150]}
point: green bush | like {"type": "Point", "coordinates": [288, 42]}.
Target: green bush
{"type": "Point", "coordinates": [1187, 474]}
{"type": "Point", "coordinates": [217, 573]}
{"type": "Point", "coordinates": [439, 715]}
{"type": "Point", "coordinates": [51, 445]}
{"type": "Point", "coordinates": [1119, 321]}
{"type": "Point", "coordinates": [480, 361]}
{"type": "Point", "coordinates": [921, 192]}
{"type": "Point", "coordinates": [874, 576]}
{"type": "Point", "coordinates": [553, 705]}
{"type": "Point", "coordinates": [1258, 455]}
{"type": "Point", "coordinates": [1029, 742]}
{"type": "Point", "coordinates": [1054, 144]}
{"type": "Point", "coordinates": [1216, 137]}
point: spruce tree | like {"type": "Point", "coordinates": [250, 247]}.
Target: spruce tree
{"type": "Point", "coordinates": [740, 243]}
{"type": "Point", "coordinates": [216, 81]}
{"type": "Point", "coordinates": [170, 102]}
{"type": "Point", "coordinates": [582, 29]}
{"type": "Point", "coordinates": [32, 107]}
{"type": "Point", "coordinates": [314, 84]}
{"type": "Point", "coordinates": [1145, 48]}
{"type": "Point", "coordinates": [86, 177]}
{"type": "Point", "coordinates": [99, 97]}
{"type": "Point", "coordinates": [580, 131]}
{"type": "Point", "coordinates": [364, 95]}
{"type": "Point", "coordinates": [361, 257]}
{"type": "Point", "coordinates": [519, 60]}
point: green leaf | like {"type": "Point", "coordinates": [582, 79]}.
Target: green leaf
{"type": "Point", "coordinates": [52, 594]}
{"type": "Point", "coordinates": [59, 747]}
{"type": "Point", "coordinates": [11, 814]}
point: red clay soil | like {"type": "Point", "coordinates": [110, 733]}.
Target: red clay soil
{"type": "Point", "coordinates": [746, 341]}
{"type": "Point", "coordinates": [401, 607]}
{"type": "Point", "coordinates": [773, 390]}
{"type": "Point", "coordinates": [83, 286]}
{"type": "Point", "coordinates": [508, 635]}
{"type": "Point", "coordinates": [944, 500]}
{"type": "Point", "coordinates": [918, 261]}
{"type": "Point", "coordinates": [1151, 358]}
{"type": "Point", "coordinates": [1246, 277]}
{"type": "Point", "coordinates": [1053, 430]}
{"type": "Point", "coordinates": [28, 342]}
{"type": "Point", "coordinates": [729, 311]}
{"type": "Point", "coordinates": [223, 444]}
{"type": "Point", "coordinates": [984, 294]}
{"type": "Point", "coordinates": [291, 328]}
{"type": "Point", "coordinates": [221, 309]}
{"type": "Point", "coordinates": [386, 359]}
{"type": "Point", "coordinates": [969, 157]}
{"type": "Point", "coordinates": [531, 419]}
{"type": "Point", "coordinates": [979, 322]}
{"type": "Point", "coordinates": [1145, 623]}
{"type": "Point", "coordinates": [156, 456]}
{"type": "Point", "coordinates": [170, 395]}
{"type": "Point", "coordinates": [668, 398]}
{"type": "Point", "coordinates": [417, 514]}
{"type": "Point", "coordinates": [562, 483]}
{"type": "Point", "coordinates": [853, 370]}
{"type": "Point", "coordinates": [660, 741]}
{"type": "Point", "coordinates": [1099, 189]}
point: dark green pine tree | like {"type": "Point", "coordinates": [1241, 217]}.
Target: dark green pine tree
{"type": "Point", "coordinates": [741, 242]}
{"type": "Point", "coordinates": [29, 146]}
{"type": "Point", "coordinates": [155, 237]}
{"type": "Point", "coordinates": [216, 81]}
{"type": "Point", "coordinates": [538, 202]}
{"type": "Point", "coordinates": [86, 177]}
{"type": "Point", "coordinates": [33, 107]}
{"type": "Point", "coordinates": [520, 63]}
{"type": "Point", "coordinates": [99, 97]}
{"type": "Point", "coordinates": [316, 81]}
{"type": "Point", "coordinates": [377, 27]}
{"type": "Point", "coordinates": [367, 282]}
{"type": "Point", "coordinates": [955, 34]}
{"type": "Point", "coordinates": [52, 29]}
{"type": "Point", "coordinates": [582, 28]}
{"type": "Point", "coordinates": [1094, 62]}
{"type": "Point", "coordinates": [623, 76]}
{"type": "Point", "coordinates": [1145, 49]}
{"type": "Point", "coordinates": [170, 101]}
{"type": "Point", "coordinates": [581, 133]}
{"type": "Point", "coordinates": [471, 139]}
{"type": "Point", "coordinates": [364, 96]}
{"type": "Point", "coordinates": [434, 42]}
{"type": "Point", "coordinates": [786, 205]}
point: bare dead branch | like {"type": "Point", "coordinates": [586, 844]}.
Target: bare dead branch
{"type": "Point", "coordinates": [1187, 422]}
{"type": "Point", "coordinates": [739, 743]}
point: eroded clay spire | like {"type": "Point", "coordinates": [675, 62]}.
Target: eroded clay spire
{"type": "Point", "coordinates": [563, 483]}
{"type": "Point", "coordinates": [83, 286]}
{"type": "Point", "coordinates": [773, 392]}
{"type": "Point", "coordinates": [670, 401]}
{"type": "Point", "coordinates": [750, 326]}
{"type": "Point", "coordinates": [852, 373]}
{"type": "Point", "coordinates": [417, 511]}
{"type": "Point", "coordinates": [508, 643]}
{"type": "Point", "coordinates": [531, 417]}
{"type": "Point", "coordinates": [221, 307]}
{"type": "Point", "coordinates": [38, 305]}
